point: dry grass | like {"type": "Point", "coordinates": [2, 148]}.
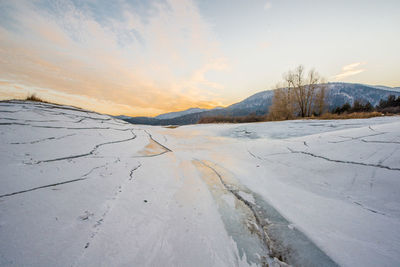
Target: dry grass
{"type": "Point", "coordinates": [171, 126]}
{"type": "Point", "coordinates": [35, 98]}
{"type": "Point", "coordinates": [390, 110]}
{"type": "Point", "coordinates": [325, 116]}
{"type": "Point", "coordinates": [345, 116]}
{"type": "Point", "coordinates": [231, 119]}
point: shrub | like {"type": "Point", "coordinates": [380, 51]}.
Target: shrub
{"type": "Point", "coordinates": [231, 119]}
{"type": "Point", "coordinates": [33, 97]}
{"type": "Point", "coordinates": [391, 105]}
{"type": "Point", "coordinates": [354, 115]}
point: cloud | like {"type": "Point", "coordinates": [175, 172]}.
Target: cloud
{"type": "Point", "coordinates": [264, 45]}
{"type": "Point", "coordinates": [268, 5]}
{"type": "Point", "coordinates": [120, 58]}
{"type": "Point", "coordinates": [350, 70]}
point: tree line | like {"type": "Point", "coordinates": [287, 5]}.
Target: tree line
{"type": "Point", "coordinates": [303, 94]}
{"type": "Point", "coordinates": [390, 105]}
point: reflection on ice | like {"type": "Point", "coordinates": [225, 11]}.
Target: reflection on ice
{"type": "Point", "coordinates": [261, 233]}
{"type": "Point", "coordinates": [238, 219]}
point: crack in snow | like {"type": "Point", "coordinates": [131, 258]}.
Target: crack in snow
{"type": "Point", "coordinates": [343, 161]}
{"type": "Point", "coordinates": [10, 111]}
{"type": "Point", "coordinates": [350, 138]}
{"type": "Point", "coordinates": [371, 210]}
{"type": "Point", "coordinates": [375, 130]}
{"type": "Point", "coordinates": [78, 128]}
{"type": "Point", "coordinates": [108, 208]}
{"type": "Point", "coordinates": [89, 153]}
{"type": "Point", "coordinates": [12, 123]}
{"type": "Point", "coordinates": [151, 137]}
{"type": "Point", "coordinates": [42, 140]}
{"type": "Point", "coordinates": [166, 149]}
{"type": "Point", "coordinates": [267, 155]}
{"type": "Point", "coordinates": [25, 121]}
{"type": "Point", "coordinates": [254, 156]}
{"type": "Point", "coordinates": [380, 142]}
{"type": "Point", "coordinates": [83, 177]}
{"type": "Point", "coordinates": [68, 128]}
{"type": "Point", "coordinates": [43, 186]}
{"type": "Point", "coordinates": [133, 170]}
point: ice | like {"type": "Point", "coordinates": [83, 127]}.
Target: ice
{"type": "Point", "coordinates": [79, 188]}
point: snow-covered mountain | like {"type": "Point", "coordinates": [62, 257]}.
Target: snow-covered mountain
{"type": "Point", "coordinates": [340, 93]}
{"type": "Point", "coordinates": [396, 89]}
{"type": "Point", "coordinates": [337, 95]}
{"type": "Point", "coordinates": [259, 103]}
{"type": "Point", "coordinates": [122, 117]}
{"type": "Point", "coordinates": [176, 114]}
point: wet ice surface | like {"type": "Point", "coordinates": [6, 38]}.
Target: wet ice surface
{"type": "Point", "coordinates": [238, 219]}
{"type": "Point", "coordinates": [82, 189]}
{"type": "Point", "coordinates": [258, 229]}
{"type": "Point", "coordinates": [296, 128]}
{"type": "Point", "coordinates": [338, 186]}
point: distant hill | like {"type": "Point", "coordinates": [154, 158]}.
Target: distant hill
{"type": "Point", "coordinates": [259, 103]}
{"type": "Point", "coordinates": [172, 115]}
{"type": "Point", "coordinates": [340, 93]}
{"type": "Point", "coordinates": [397, 89]}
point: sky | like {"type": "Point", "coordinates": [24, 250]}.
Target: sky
{"type": "Point", "coordinates": [144, 58]}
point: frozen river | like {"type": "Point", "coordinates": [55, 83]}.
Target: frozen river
{"type": "Point", "coordinates": [83, 189]}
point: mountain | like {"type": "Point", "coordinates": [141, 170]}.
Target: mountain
{"type": "Point", "coordinates": [340, 93]}
{"type": "Point", "coordinates": [259, 103]}
{"type": "Point", "coordinates": [122, 117]}
{"type": "Point", "coordinates": [172, 115]}
{"type": "Point", "coordinates": [397, 89]}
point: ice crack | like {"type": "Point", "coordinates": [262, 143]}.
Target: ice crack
{"type": "Point", "coordinates": [343, 161]}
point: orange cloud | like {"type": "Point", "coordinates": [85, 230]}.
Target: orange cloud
{"type": "Point", "coordinates": [91, 68]}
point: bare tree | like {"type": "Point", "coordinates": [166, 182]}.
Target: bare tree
{"type": "Point", "coordinates": [282, 107]}
{"type": "Point", "coordinates": [305, 95]}
{"type": "Point", "coordinates": [320, 100]}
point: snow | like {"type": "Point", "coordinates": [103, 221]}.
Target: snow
{"type": "Point", "coordinates": [172, 115]}
{"type": "Point", "coordinates": [79, 188]}
{"type": "Point", "coordinates": [395, 89]}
